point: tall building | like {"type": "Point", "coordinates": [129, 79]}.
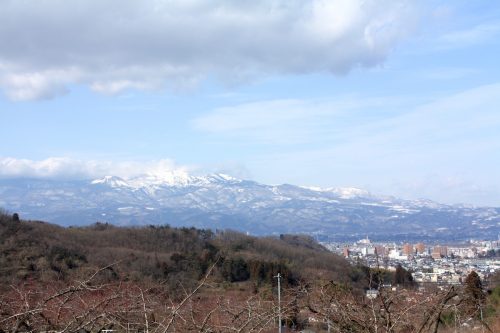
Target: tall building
{"type": "Point", "coordinates": [420, 248]}
{"type": "Point", "coordinates": [346, 252]}
{"type": "Point", "coordinates": [439, 251]}
{"type": "Point", "coordinates": [407, 249]}
{"type": "Point", "coordinates": [380, 250]}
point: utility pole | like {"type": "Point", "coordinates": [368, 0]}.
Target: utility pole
{"type": "Point", "coordinates": [279, 301]}
{"type": "Point", "coordinates": [482, 322]}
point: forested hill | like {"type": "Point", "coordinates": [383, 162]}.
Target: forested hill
{"type": "Point", "coordinates": [45, 252]}
{"type": "Point", "coordinates": [164, 279]}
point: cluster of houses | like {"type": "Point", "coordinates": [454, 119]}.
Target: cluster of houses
{"type": "Point", "coordinates": [432, 263]}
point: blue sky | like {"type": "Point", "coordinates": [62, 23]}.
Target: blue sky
{"type": "Point", "coordinates": [397, 97]}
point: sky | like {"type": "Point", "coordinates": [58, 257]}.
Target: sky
{"type": "Point", "coordinates": [397, 97]}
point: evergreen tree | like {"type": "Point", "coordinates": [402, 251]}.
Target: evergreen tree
{"type": "Point", "coordinates": [474, 288]}
{"type": "Point", "coordinates": [474, 296]}
{"type": "Point", "coordinates": [402, 277]}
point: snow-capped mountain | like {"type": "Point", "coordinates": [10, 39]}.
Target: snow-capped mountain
{"type": "Point", "coordinates": [219, 201]}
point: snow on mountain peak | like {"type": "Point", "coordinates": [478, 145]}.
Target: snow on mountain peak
{"type": "Point", "coordinates": [224, 176]}
{"type": "Point", "coordinates": [351, 192]}
{"type": "Point", "coordinates": [342, 192]}
{"type": "Point", "coordinates": [175, 178]}
{"type": "Point", "coordinates": [221, 201]}
{"type": "Point", "coordinates": [217, 178]}
{"type": "Point", "coordinates": [112, 181]}
{"type": "Point", "coordinates": [172, 177]}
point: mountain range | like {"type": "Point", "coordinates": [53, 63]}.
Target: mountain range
{"type": "Point", "coordinates": [218, 201]}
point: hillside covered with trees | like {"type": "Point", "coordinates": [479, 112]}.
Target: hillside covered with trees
{"type": "Point", "coordinates": [46, 252]}
{"type": "Point", "coordinates": [164, 279]}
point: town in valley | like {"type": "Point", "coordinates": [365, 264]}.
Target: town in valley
{"type": "Point", "coordinates": [442, 264]}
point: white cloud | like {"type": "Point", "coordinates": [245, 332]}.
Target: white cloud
{"type": "Point", "coordinates": [267, 121]}
{"type": "Point", "coordinates": [446, 188]}
{"type": "Point", "coordinates": [118, 44]}
{"type": "Point", "coordinates": [294, 121]}
{"type": "Point", "coordinates": [387, 145]}
{"type": "Point", "coordinates": [481, 33]}
{"type": "Point", "coordinates": [465, 115]}
{"type": "Point", "coordinates": [67, 168]}
{"type": "Point", "coordinates": [36, 84]}
{"type": "Point", "coordinates": [447, 73]}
